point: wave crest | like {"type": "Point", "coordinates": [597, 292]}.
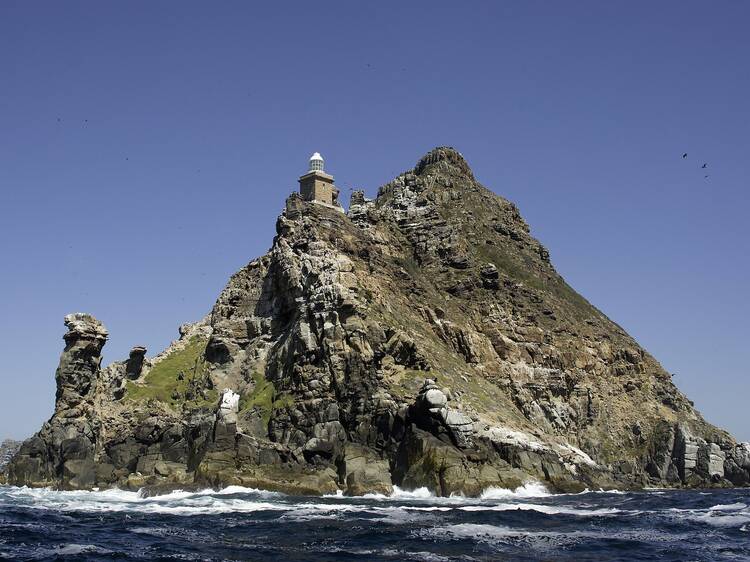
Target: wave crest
{"type": "Point", "coordinates": [528, 490]}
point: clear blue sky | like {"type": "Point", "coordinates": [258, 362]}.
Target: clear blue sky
{"type": "Point", "coordinates": [146, 149]}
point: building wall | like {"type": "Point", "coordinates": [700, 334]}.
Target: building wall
{"type": "Point", "coordinates": [323, 192]}
{"type": "Point", "coordinates": [316, 188]}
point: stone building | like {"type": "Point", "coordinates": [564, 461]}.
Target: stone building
{"type": "Point", "coordinates": [317, 186]}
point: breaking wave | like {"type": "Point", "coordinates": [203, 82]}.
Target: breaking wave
{"type": "Point", "coordinates": [526, 523]}
{"type": "Point", "coordinates": [528, 490]}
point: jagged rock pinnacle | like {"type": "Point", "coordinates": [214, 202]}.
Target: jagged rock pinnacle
{"type": "Point", "coordinates": [84, 326]}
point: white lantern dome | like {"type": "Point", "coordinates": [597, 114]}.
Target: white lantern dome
{"type": "Point", "coordinates": [316, 162]}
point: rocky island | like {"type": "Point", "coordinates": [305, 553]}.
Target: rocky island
{"type": "Point", "coordinates": [422, 338]}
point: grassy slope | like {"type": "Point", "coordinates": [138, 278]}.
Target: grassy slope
{"type": "Point", "coordinates": [177, 379]}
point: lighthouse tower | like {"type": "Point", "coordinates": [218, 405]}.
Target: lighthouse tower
{"type": "Point", "coordinates": [316, 185]}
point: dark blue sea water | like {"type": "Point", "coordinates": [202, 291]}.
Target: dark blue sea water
{"type": "Point", "coordinates": [244, 524]}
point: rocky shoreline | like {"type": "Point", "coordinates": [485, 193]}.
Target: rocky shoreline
{"type": "Point", "coordinates": [421, 339]}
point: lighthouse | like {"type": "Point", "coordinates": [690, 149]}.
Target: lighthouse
{"type": "Point", "coordinates": [316, 185]}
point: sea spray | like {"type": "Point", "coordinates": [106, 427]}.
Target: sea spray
{"type": "Point", "coordinates": [244, 523]}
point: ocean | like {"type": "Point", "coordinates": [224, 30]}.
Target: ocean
{"type": "Point", "coordinates": [245, 524]}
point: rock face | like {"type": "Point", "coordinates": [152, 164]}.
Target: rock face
{"type": "Point", "coordinates": [422, 339]}
{"type": "Point", "coordinates": [8, 449]}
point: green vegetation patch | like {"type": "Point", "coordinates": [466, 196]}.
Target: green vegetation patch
{"type": "Point", "coordinates": [261, 396]}
{"type": "Point", "coordinates": [411, 266]}
{"type": "Point", "coordinates": [407, 383]}
{"type": "Point", "coordinates": [522, 269]}
{"type": "Point", "coordinates": [180, 378]}
{"type": "Point", "coordinates": [264, 398]}
{"type": "Point", "coordinates": [511, 265]}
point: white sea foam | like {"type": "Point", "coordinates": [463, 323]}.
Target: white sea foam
{"type": "Point", "coordinates": [528, 490]}
{"type": "Point", "coordinates": [600, 491]}
{"type": "Point", "coordinates": [736, 520]}
{"type": "Point", "coordinates": [236, 499]}
{"type": "Point", "coordinates": [546, 509]}
{"type": "Point", "coordinates": [182, 533]}
{"type": "Point", "coordinates": [720, 515]}
{"type": "Point", "coordinates": [473, 531]}
{"type": "Point", "coordinates": [76, 550]}
{"type": "Point", "coordinates": [175, 503]}
{"type": "Point", "coordinates": [393, 514]}
{"type": "Point", "coordinates": [418, 494]}
{"type": "Point", "coordinates": [536, 538]}
{"type": "Point", "coordinates": [728, 507]}
{"type": "Point", "coordinates": [242, 490]}
{"type": "Point", "coordinates": [391, 553]}
{"type": "Point", "coordinates": [398, 515]}
{"type": "Point", "coordinates": [421, 556]}
{"type": "Point", "coordinates": [496, 535]}
{"type": "Point", "coordinates": [532, 489]}
{"type": "Point", "coordinates": [399, 494]}
{"type": "Point", "coordinates": [401, 507]}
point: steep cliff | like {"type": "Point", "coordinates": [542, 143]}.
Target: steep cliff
{"type": "Point", "coordinates": [422, 339]}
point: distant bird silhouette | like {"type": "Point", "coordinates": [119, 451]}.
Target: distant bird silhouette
{"type": "Point", "coordinates": [705, 177]}
{"type": "Point", "coordinates": [684, 155]}
{"type": "Point", "coordinates": [704, 166]}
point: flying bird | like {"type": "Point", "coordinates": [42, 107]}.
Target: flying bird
{"type": "Point", "coordinates": [705, 177]}
{"type": "Point", "coordinates": [684, 155]}
{"type": "Point", "coordinates": [705, 165]}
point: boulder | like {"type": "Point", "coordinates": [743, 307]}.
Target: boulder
{"type": "Point", "coordinates": [425, 461]}
{"type": "Point", "coordinates": [686, 453]}
{"type": "Point", "coordinates": [737, 464]}
{"type": "Point", "coordinates": [364, 471]}
{"type": "Point", "coordinates": [461, 427]}
{"type": "Point", "coordinates": [430, 413]}
{"type": "Point", "coordinates": [434, 398]}
{"type": "Point", "coordinates": [134, 364]}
